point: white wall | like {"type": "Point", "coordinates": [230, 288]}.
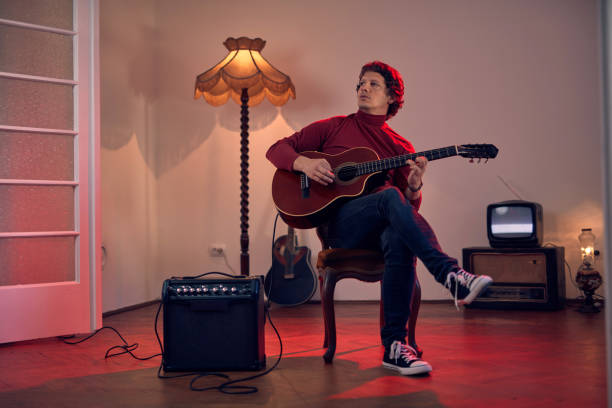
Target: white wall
{"type": "Point", "coordinates": [130, 271]}
{"type": "Point", "coordinates": [520, 74]}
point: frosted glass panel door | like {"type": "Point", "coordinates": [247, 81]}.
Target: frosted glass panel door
{"type": "Point", "coordinates": [49, 149]}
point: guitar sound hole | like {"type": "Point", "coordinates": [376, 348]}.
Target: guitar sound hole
{"type": "Point", "coordinates": [346, 173]}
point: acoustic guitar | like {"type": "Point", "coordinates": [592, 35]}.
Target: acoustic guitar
{"type": "Point", "coordinates": [291, 279]}
{"type": "Point", "coordinates": [303, 204]}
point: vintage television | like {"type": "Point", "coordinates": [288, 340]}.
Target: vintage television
{"type": "Point", "coordinates": [514, 224]}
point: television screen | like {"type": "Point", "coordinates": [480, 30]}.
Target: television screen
{"type": "Point", "coordinates": [512, 222]}
{"type": "Point", "coordinates": [515, 223]}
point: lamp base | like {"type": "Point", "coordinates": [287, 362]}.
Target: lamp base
{"type": "Point", "coordinates": [588, 306]}
{"type": "Point", "coordinates": [588, 309]}
{"type": "Point", "coordinates": [588, 280]}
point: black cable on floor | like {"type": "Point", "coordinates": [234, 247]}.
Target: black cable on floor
{"type": "Point", "coordinates": [126, 347]}
{"type": "Point", "coordinates": [227, 387]}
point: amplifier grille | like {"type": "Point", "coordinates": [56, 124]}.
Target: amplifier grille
{"type": "Point", "coordinates": [213, 324]}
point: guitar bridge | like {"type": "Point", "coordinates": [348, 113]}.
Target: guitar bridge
{"type": "Point", "coordinates": [304, 185]}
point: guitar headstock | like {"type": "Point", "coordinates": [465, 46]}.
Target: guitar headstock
{"type": "Point", "coordinates": [477, 151]}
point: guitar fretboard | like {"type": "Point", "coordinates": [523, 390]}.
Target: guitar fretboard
{"type": "Point", "coordinates": [291, 240]}
{"type": "Point", "coordinates": [400, 161]}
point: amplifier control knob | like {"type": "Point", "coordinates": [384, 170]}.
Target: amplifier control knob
{"type": "Point", "coordinates": [179, 290]}
{"type": "Point", "coordinates": [198, 290]}
{"type": "Point", "coordinates": [191, 291]}
{"type": "Point", "coordinates": [234, 289]}
{"type": "Point", "coordinates": [224, 289]}
{"type": "Point", "coordinates": [205, 290]}
{"type": "Point", "coordinates": [215, 290]}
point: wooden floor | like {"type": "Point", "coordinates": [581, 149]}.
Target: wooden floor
{"type": "Point", "coordinates": [480, 358]}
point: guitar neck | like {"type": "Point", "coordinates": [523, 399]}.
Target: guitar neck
{"type": "Point", "coordinates": [401, 161]}
{"type": "Point", "coordinates": [291, 240]}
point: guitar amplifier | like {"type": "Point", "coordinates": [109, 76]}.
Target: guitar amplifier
{"type": "Point", "coordinates": [523, 278]}
{"type": "Point", "coordinates": [213, 324]}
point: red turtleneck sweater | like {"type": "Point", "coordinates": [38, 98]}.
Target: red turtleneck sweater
{"type": "Point", "coordinates": [340, 133]}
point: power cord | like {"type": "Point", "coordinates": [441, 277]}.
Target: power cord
{"type": "Point", "coordinates": [126, 347]}
{"type": "Point", "coordinates": [227, 387]}
{"type": "Point", "coordinates": [228, 264]}
{"type": "Point", "coordinates": [269, 289]}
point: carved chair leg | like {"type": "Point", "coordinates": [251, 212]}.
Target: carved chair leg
{"type": "Point", "coordinates": [327, 299]}
{"type": "Point", "coordinates": [321, 277]}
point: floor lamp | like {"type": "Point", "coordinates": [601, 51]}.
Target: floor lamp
{"type": "Point", "coordinates": [246, 77]}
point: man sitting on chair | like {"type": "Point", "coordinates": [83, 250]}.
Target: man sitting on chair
{"type": "Point", "coordinates": [387, 217]}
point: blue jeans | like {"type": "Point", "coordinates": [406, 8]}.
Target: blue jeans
{"type": "Point", "coordinates": [387, 221]}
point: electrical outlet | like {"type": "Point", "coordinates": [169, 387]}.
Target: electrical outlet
{"type": "Point", "coordinates": [216, 250]}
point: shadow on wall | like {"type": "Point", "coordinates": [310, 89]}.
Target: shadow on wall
{"type": "Point", "coordinates": [260, 116]}
{"type": "Point", "coordinates": [136, 101]}
{"type": "Point", "coordinates": [127, 85]}
{"type": "Point", "coordinates": [314, 90]}
{"type": "Point", "coordinates": [139, 99]}
{"type": "Point", "coordinates": [313, 98]}
{"type": "Point", "coordinates": [562, 229]}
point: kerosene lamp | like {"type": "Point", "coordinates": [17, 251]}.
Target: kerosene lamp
{"type": "Point", "coordinates": [588, 278]}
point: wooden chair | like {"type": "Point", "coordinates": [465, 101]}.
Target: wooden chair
{"type": "Point", "coordinates": [364, 265]}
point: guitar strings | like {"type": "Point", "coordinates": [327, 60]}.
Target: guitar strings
{"type": "Point", "coordinates": [399, 161]}
{"type": "Point", "coordinates": [348, 172]}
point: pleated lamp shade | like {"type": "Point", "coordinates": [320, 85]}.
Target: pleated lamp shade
{"type": "Point", "coordinates": [244, 68]}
